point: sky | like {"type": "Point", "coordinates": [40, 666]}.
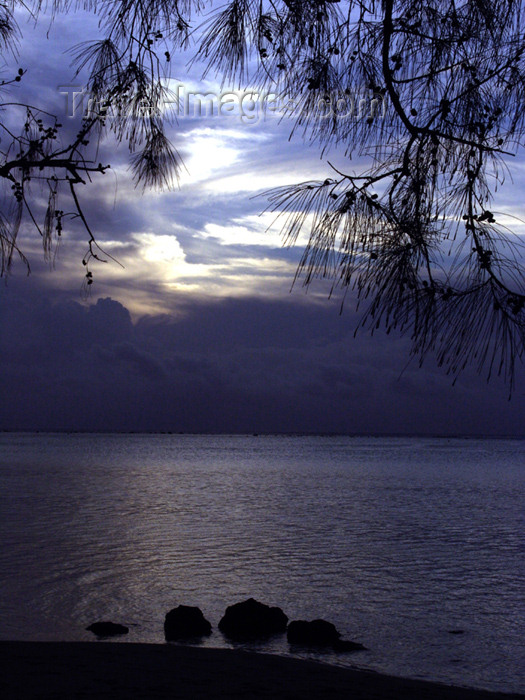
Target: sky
{"type": "Point", "coordinates": [198, 329]}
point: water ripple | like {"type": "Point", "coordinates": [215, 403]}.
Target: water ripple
{"type": "Point", "coordinates": [397, 541]}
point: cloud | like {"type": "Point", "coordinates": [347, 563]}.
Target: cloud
{"type": "Point", "coordinates": [197, 331]}
{"type": "Point", "coordinates": [136, 362]}
{"type": "Point", "coordinates": [234, 365]}
{"type": "Point", "coordinates": [214, 242]}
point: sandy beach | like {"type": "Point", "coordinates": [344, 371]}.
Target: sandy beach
{"type": "Point", "coordinates": [61, 670]}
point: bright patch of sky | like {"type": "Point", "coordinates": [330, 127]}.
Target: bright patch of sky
{"type": "Point", "coordinates": [206, 238]}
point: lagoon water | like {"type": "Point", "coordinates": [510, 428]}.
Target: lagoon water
{"type": "Point", "coordinates": [397, 541]}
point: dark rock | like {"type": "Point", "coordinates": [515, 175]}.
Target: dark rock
{"type": "Point", "coordinates": [184, 622]}
{"type": "Point", "coordinates": [316, 632]}
{"type": "Point", "coordinates": [252, 619]}
{"type": "Point", "coordinates": [107, 629]}
{"type": "Point", "coordinates": [319, 633]}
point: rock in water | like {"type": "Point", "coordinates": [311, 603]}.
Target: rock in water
{"type": "Point", "coordinates": [316, 633]}
{"type": "Point", "coordinates": [107, 629]}
{"type": "Point", "coordinates": [184, 622]}
{"type": "Point", "coordinates": [319, 633]}
{"type": "Point", "coordinates": [252, 619]}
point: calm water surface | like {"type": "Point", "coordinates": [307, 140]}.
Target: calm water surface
{"type": "Point", "coordinates": [396, 541]}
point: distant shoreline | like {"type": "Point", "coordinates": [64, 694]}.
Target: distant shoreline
{"type": "Point", "coordinates": [424, 436]}
{"type": "Point", "coordinates": [102, 670]}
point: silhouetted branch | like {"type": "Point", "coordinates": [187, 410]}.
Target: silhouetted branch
{"type": "Point", "coordinates": [431, 93]}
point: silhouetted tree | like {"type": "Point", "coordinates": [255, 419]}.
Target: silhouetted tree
{"type": "Point", "coordinates": [432, 93]}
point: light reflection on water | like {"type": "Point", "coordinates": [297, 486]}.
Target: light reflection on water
{"type": "Point", "coordinates": [396, 541]}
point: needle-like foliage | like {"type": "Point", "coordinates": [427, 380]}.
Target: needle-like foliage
{"type": "Point", "coordinates": [429, 95]}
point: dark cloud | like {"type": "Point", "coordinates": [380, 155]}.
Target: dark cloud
{"type": "Point", "coordinates": [243, 365]}
{"type": "Point", "coordinates": [116, 210]}
{"type": "Point", "coordinates": [135, 361]}
{"type": "Point", "coordinates": [277, 362]}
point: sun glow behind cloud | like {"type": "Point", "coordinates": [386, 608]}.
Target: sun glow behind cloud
{"type": "Point", "coordinates": [208, 155]}
{"type": "Point", "coordinates": [204, 257]}
{"type": "Point", "coordinates": [205, 238]}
